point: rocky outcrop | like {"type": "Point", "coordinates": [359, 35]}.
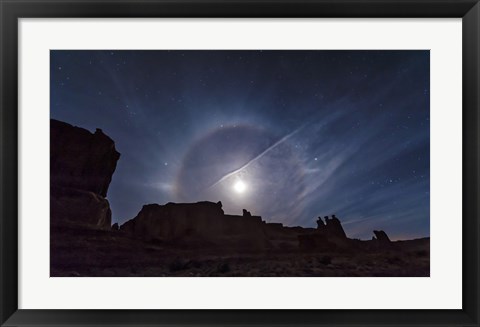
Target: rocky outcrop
{"type": "Point", "coordinates": [329, 235]}
{"type": "Point", "coordinates": [81, 169]}
{"type": "Point", "coordinates": [331, 228]}
{"type": "Point", "coordinates": [79, 207]}
{"type": "Point", "coordinates": [381, 237]}
{"type": "Point", "coordinates": [201, 221]}
{"type": "Point", "coordinates": [81, 160]}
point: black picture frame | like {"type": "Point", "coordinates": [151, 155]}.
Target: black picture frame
{"type": "Point", "coordinates": [12, 10]}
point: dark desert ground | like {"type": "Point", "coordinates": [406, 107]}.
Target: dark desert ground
{"type": "Point", "coordinates": [93, 253]}
{"type": "Point", "coordinates": [194, 239]}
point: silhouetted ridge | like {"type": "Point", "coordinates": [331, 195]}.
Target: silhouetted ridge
{"type": "Point", "coordinates": [201, 221]}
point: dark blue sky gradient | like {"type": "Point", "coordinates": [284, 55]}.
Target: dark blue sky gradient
{"type": "Point", "coordinates": [308, 132]}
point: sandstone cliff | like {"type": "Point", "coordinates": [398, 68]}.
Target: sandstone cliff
{"type": "Point", "coordinates": [81, 169]}
{"type": "Point", "coordinates": [201, 221]}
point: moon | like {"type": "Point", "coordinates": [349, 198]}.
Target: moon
{"type": "Point", "coordinates": [269, 178]}
{"type": "Point", "coordinates": [239, 186]}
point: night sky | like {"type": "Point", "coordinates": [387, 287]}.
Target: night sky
{"type": "Point", "coordinates": [288, 135]}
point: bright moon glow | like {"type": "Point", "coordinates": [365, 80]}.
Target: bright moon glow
{"type": "Point", "coordinates": [240, 187]}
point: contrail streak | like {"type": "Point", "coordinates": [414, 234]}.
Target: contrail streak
{"type": "Point", "coordinates": [325, 120]}
{"type": "Point", "coordinates": [283, 139]}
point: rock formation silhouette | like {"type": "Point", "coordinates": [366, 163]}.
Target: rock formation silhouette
{"type": "Point", "coordinates": [81, 160]}
{"type": "Point", "coordinates": [332, 227]}
{"type": "Point", "coordinates": [328, 235]}
{"type": "Point", "coordinates": [381, 237]}
{"type": "Point", "coordinates": [81, 169]}
{"type": "Point", "coordinates": [201, 221]}
{"type": "Point", "coordinates": [246, 213]}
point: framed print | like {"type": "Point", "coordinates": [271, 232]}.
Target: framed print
{"type": "Point", "coordinates": [240, 163]}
